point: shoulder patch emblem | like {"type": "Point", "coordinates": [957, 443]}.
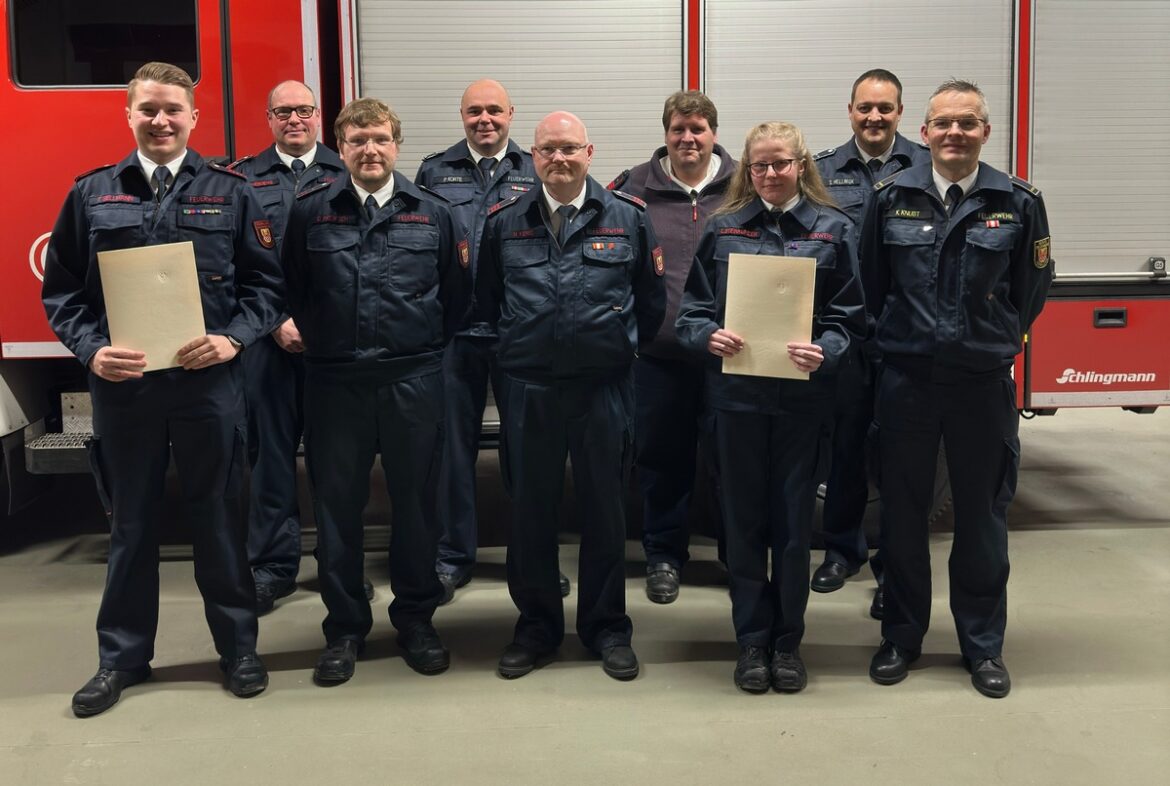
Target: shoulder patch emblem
{"type": "Point", "coordinates": [1042, 252]}
{"type": "Point", "coordinates": [659, 261]}
{"type": "Point", "coordinates": [619, 181]}
{"type": "Point", "coordinates": [263, 230]}
{"type": "Point", "coordinates": [464, 253]}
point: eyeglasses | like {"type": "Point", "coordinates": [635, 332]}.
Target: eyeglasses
{"type": "Point", "coordinates": [568, 151]}
{"type": "Point", "coordinates": [967, 124]}
{"type": "Point", "coordinates": [779, 166]}
{"type": "Point", "coordinates": [363, 141]}
{"type": "Point", "coordinates": [304, 111]}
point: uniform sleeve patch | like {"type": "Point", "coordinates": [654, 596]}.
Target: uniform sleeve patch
{"type": "Point", "coordinates": [1042, 252]}
{"type": "Point", "coordinates": [264, 233]}
{"type": "Point", "coordinates": [659, 261]}
{"type": "Point", "coordinates": [464, 253]}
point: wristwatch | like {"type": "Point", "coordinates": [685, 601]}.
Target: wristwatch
{"type": "Point", "coordinates": [236, 343]}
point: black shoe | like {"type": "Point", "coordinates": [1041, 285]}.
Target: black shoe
{"type": "Point", "coordinates": [620, 662]}
{"type": "Point", "coordinates": [336, 663]}
{"type": "Point", "coordinates": [518, 660]}
{"type": "Point", "coordinates": [662, 582]}
{"type": "Point", "coordinates": [368, 587]}
{"type": "Point", "coordinates": [877, 607]}
{"type": "Point", "coordinates": [422, 649]}
{"type": "Point", "coordinates": [751, 670]}
{"type": "Point", "coordinates": [890, 663]}
{"type": "Point", "coordinates": [245, 676]}
{"type": "Point", "coordinates": [451, 581]}
{"type": "Point", "coordinates": [268, 592]}
{"type": "Point", "coordinates": [787, 672]}
{"type": "Point", "coordinates": [830, 576]}
{"type": "Point", "coordinates": [565, 586]}
{"type": "Point", "coordinates": [990, 677]}
{"type": "Point", "coordinates": [105, 688]}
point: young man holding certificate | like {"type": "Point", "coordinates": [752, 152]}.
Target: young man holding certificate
{"type": "Point", "coordinates": [165, 193]}
{"type": "Point", "coordinates": [767, 429]}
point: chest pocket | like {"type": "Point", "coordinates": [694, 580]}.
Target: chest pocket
{"type": "Point", "coordinates": [329, 239]}
{"type": "Point", "coordinates": [115, 218]}
{"type": "Point", "coordinates": [211, 233]}
{"type": "Point", "coordinates": [606, 271]}
{"type": "Point", "coordinates": [996, 239]}
{"type": "Point", "coordinates": [414, 257]}
{"type": "Point", "coordinates": [911, 253]}
{"type": "Point", "coordinates": [527, 274]}
{"type": "Point", "coordinates": [899, 232]}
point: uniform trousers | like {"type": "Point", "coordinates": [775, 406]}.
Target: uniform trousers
{"type": "Point", "coordinates": [590, 422]}
{"type": "Point", "coordinates": [670, 424]}
{"type": "Point", "coordinates": [198, 418]}
{"type": "Point", "coordinates": [348, 415]}
{"type": "Point", "coordinates": [848, 484]}
{"type": "Point", "coordinates": [768, 466]}
{"type": "Point", "coordinates": [275, 390]}
{"type": "Point", "coordinates": [977, 421]}
{"type": "Point", "coordinates": [469, 363]}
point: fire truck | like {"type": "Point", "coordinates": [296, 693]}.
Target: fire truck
{"type": "Point", "coordinates": [1076, 88]}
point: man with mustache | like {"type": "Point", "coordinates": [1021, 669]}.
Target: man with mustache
{"type": "Point", "coordinates": [876, 150]}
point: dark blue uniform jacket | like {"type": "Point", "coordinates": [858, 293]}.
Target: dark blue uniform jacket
{"type": "Point", "coordinates": [386, 294]}
{"type": "Point", "coordinates": [113, 208]}
{"type": "Point", "coordinates": [577, 312]}
{"type": "Point", "coordinates": [275, 186]}
{"type": "Point", "coordinates": [957, 292]}
{"type": "Point", "coordinates": [849, 179]}
{"type": "Point", "coordinates": [808, 230]}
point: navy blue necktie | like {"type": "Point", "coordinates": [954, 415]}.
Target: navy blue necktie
{"type": "Point", "coordinates": [371, 207]}
{"type": "Point", "coordinates": [160, 182]}
{"type": "Point", "coordinates": [485, 168]}
{"type": "Point", "coordinates": [954, 196]}
{"type": "Point", "coordinates": [298, 169]}
{"type": "Point", "coordinates": [566, 213]}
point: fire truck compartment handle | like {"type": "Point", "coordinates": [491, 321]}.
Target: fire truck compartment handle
{"type": "Point", "coordinates": [1110, 317]}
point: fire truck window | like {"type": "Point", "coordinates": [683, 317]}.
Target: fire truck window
{"type": "Point", "coordinates": [82, 42]}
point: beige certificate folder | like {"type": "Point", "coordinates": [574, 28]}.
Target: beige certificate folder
{"type": "Point", "coordinates": [769, 303]}
{"type": "Point", "coordinates": [152, 300]}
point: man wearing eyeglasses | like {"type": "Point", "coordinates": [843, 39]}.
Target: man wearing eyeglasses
{"type": "Point", "coordinates": [273, 369]}
{"type": "Point", "coordinates": [378, 282]}
{"type": "Point", "coordinates": [475, 173]}
{"type": "Point", "coordinates": [876, 150]}
{"type": "Point", "coordinates": [682, 184]}
{"type": "Point", "coordinates": [571, 275]}
{"type": "Point", "coordinates": [957, 266]}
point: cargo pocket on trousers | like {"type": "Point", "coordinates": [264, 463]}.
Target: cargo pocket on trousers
{"type": "Point", "coordinates": [1011, 472]}
{"type": "Point", "coordinates": [235, 469]}
{"type": "Point", "coordinates": [873, 455]}
{"type": "Point", "coordinates": [93, 448]}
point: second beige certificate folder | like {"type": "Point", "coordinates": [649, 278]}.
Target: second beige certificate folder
{"type": "Point", "coordinates": [769, 303]}
{"type": "Point", "coordinates": [152, 300]}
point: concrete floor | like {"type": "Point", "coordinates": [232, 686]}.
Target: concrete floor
{"type": "Point", "coordinates": [1088, 647]}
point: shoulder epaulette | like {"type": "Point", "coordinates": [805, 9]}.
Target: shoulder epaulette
{"type": "Point", "coordinates": [619, 181]}
{"type": "Point", "coordinates": [824, 154]}
{"type": "Point", "coordinates": [433, 194]}
{"type": "Point", "coordinates": [1024, 184]}
{"type": "Point", "coordinates": [312, 190]}
{"type": "Point", "coordinates": [239, 161]}
{"type": "Point", "coordinates": [633, 200]}
{"type": "Point", "coordinates": [432, 155]}
{"type": "Point", "coordinates": [885, 181]}
{"type": "Point", "coordinates": [92, 171]}
{"type": "Point", "coordinates": [225, 170]}
{"type": "Point", "coordinates": [497, 207]}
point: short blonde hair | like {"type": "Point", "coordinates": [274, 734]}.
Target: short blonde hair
{"type": "Point", "coordinates": [164, 74]}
